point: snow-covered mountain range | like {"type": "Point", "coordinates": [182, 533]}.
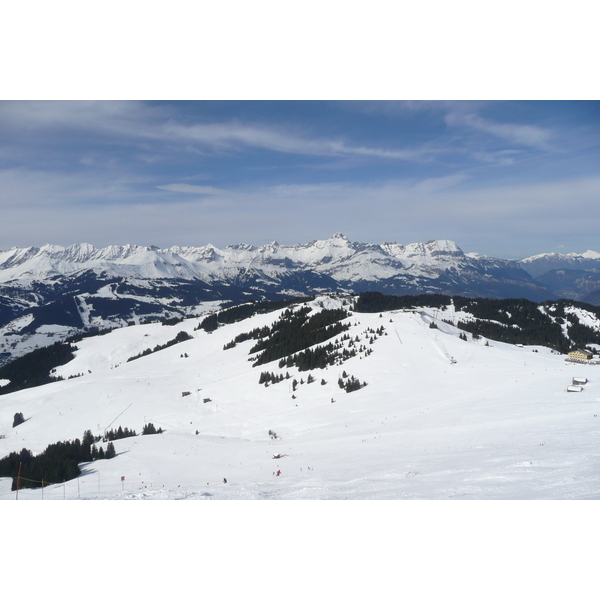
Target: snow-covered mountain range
{"type": "Point", "coordinates": [325, 265]}
{"type": "Point", "coordinates": [55, 290]}
{"type": "Point", "coordinates": [337, 258]}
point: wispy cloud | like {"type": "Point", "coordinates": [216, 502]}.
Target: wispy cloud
{"type": "Point", "coordinates": [435, 184]}
{"type": "Point", "coordinates": [138, 121]}
{"type": "Point", "coordinates": [186, 188]}
{"type": "Point", "coordinates": [233, 136]}
{"type": "Point", "coordinates": [525, 135]}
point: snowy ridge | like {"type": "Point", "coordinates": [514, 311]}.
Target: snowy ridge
{"type": "Point", "coordinates": [591, 254]}
{"type": "Point", "coordinates": [337, 257]}
{"type": "Point", "coordinates": [542, 263]}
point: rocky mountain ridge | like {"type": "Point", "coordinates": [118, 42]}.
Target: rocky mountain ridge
{"type": "Point", "coordinates": [338, 258]}
{"type": "Point", "coordinates": [54, 291]}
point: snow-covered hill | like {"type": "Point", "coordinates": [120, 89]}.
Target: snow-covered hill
{"type": "Point", "coordinates": [440, 417]}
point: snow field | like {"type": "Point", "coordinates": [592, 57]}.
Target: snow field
{"type": "Point", "coordinates": [497, 424]}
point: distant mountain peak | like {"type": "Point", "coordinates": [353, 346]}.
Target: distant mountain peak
{"type": "Point", "coordinates": [543, 263]}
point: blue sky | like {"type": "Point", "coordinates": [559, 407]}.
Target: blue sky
{"type": "Point", "coordinates": [503, 178]}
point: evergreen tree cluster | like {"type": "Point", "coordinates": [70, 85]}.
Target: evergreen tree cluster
{"type": "Point", "coordinates": [57, 463]}
{"type": "Point", "coordinates": [317, 358]}
{"type": "Point", "coordinates": [255, 334]}
{"type": "Point", "coordinates": [172, 321]}
{"type": "Point", "coordinates": [331, 354]}
{"type": "Point", "coordinates": [512, 320]}
{"type": "Point", "coordinates": [35, 368]}
{"type": "Point", "coordinates": [182, 336]}
{"type": "Point", "coordinates": [267, 378]}
{"type": "Point", "coordinates": [581, 334]}
{"type": "Point", "coordinates": [295, 331]}
{"type": "Point", "coordinates": [150, 429]}
{"type": "Point", "coordinates": [372, 302]}
{"type": "Point", "coordinates": [532, 335]}
{"type": "Point", "coordinates": [350, 383]}
{"type": "Point", "coordinates": [245, 311]}
{"type": "Point", "coordinates": [120, 433]}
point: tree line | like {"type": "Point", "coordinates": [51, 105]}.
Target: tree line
{"type": "Point", "coordinates": [245, 311]}
{"type": "Point", "coordinates": [510, 320]}
{"type": "Point", "coordinates": [57, 463]}
{"type": "Point", "coordinates": [60, 461]}
{"type": "Point", "coordinates": [35, 368]}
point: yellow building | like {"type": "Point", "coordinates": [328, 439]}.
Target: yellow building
{"type": "Point", "coordinates": [584, 354]}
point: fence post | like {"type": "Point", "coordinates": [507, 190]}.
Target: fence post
{"type": "Point", "coordinates": [18, 480]}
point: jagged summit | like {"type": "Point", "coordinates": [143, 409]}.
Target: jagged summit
{"type": "Point", "coordinates": [339, 236]}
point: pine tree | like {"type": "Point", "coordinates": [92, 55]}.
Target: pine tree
{"type": "Point", "coordinates": [148, 429]}
{"type": "Point", "coordinates": [110, 451]}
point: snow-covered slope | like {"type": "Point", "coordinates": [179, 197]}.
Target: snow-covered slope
{"type": "Point", "coordinates": [439, 418]}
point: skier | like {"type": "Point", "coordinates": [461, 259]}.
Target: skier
{"type": "Point", "coordinates": [278, 473]}
{"type": "Point", "coordinates": [224, 480]}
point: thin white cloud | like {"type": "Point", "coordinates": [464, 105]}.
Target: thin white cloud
{"type": "Point", "coordinates": [435, 184]}
{"type": "Point", "coordinates": [526, 135]}
{"type": "Point", "coordinates": [501, 157]}
{"type": "Point", "coordinates": [233, 136]}
{"type": "Point", "coordinates": [186, 188]}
